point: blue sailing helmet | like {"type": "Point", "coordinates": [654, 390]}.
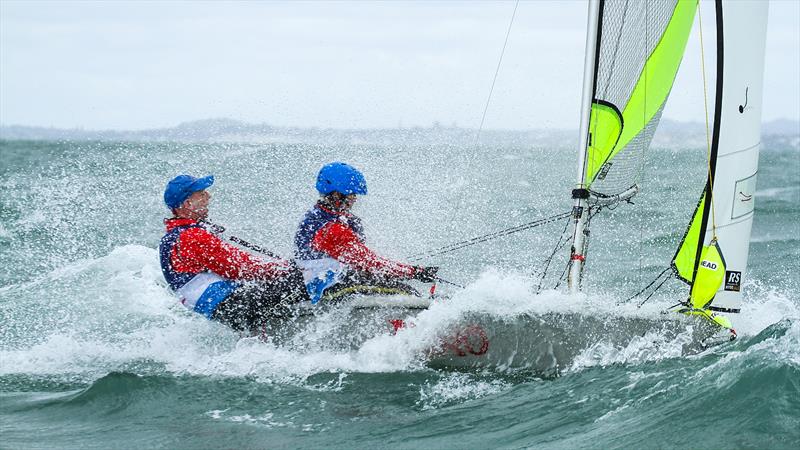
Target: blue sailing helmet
{"type": "Point", "coordinates": [342, 178]}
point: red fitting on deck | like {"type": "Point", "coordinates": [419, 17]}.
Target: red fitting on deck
{"type": "Point", "coordinates": [397, 324]}
{"type": "Point", "coordinates": [577, 257]}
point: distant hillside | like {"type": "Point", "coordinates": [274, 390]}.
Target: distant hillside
{"type": "Point", "coordinates": [227, 130]}
{"type": "Point", "coordinates": [776, 134]}
{"type": "Point", "coordinates": [781, 126]}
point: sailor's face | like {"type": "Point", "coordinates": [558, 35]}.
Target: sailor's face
{"type": "Point", "coordinates": [196, 205]}
{"type": "Point", "coordinates": [349, 201]}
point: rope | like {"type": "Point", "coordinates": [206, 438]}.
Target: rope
{"type": "Point", "coordinates": [658, 277]}
{"type": "Point", "coordinates": [487, 237]}
{"type": "Point", "coordinates": [708, 131]}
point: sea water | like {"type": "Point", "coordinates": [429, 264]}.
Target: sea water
{"type": "Point", "coordinates": [96, 353]}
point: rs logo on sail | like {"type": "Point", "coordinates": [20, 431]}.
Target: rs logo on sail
{"type": "Point", "coordinates": [709, 265]}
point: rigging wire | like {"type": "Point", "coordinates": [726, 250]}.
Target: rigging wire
{"type": "Point", "coordinates": [593, 211]}
{"type": "Point", "coordinates": [655, 280]}
{"type": "Point", "coordinates": [487, 237]}
{"type": "Point", "coordinates": [654, 291]}
{"type": "Point", "coordinates": [646, 147]}
{"type": "Point", "coordinates": [442, 280]}
{"type": "Point", "coordinates": [559, 245]}
{"type": "Point", "coordinates": [488, 101]}
{"type": "Point", "coordinates": [563, 273]}
{"type": "Point", "coordinates": [496, 73]}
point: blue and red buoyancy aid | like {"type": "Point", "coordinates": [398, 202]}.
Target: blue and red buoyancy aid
{"type": "Point", "coordinates": [175, 279]}
{"type": "Point", "coordinates": [203, 269]}
{"type": "Point", "coordinates": [328, 241]}
{"type": "Point", "coordinates": [199, 291]}
{"type": "Point", "coordinates": [314, 220]}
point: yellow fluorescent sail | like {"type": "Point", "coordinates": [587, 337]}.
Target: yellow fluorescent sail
{"type": "Point", "coordinates": [710, 275]}
{"type": "Point", "coordinates": [685, 258]}
{"type": "Point", "coordinates": [611, 133]}
{"type": "Point", "coordinates": [604, 134]}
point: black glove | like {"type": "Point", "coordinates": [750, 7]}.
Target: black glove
{"type": "Point", "coordinates": [426, 274]}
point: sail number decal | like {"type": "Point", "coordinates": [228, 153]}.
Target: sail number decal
{"type": "Point", "coordinates": [733, 280]}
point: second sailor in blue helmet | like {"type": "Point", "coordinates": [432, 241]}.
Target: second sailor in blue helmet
{"type": "Point", "coordinates": [331, 248]}
{"type": "Point", "coordinates": [342, 178]}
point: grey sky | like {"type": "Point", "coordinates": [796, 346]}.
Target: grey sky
{"type": "Point", "coordinates": [132, 65]}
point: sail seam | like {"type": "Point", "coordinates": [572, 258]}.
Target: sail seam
{"type": "Point", "coordinates": [740, 151]}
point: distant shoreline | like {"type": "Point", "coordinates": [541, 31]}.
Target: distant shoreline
{"type": "Point", "coordinates": [669, 134]}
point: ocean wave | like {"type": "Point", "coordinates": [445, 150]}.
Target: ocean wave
{"type": "Point", "coordinates": [456, 388]}
{"type": "Point", "coordinates": [125, 319]}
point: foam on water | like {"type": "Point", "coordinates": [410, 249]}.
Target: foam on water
{"type": "Point", "coordinates": [115, 313]}
{"type": "Point", "coordinates": [772, 351]}
{"type": "Point", "coordinates": [457, 388]}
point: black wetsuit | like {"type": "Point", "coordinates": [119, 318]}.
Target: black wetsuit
{"type": "Point", "coordinates": [253, 303]}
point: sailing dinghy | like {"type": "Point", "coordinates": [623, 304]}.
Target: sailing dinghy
{"type": "Point", "coordinates": [633, 52]}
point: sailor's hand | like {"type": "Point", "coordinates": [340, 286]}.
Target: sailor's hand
{"type": "Point", "coordinates": [426, 274]}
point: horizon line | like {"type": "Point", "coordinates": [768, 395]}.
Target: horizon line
{"type": "Point", "coordinates": [433, 125]}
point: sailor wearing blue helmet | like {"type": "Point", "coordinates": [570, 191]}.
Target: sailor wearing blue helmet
{"type": "Point", "coordinates": [342, 178]}
{"type": "Point", "coordinates": [331, 248]}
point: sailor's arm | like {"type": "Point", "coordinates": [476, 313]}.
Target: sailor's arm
{"type": "Point", "coordinates": [340, 242]}
{"type": "Point", "coordinates": [226, 260]}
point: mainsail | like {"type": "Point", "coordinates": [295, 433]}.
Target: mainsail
{"type": "Point", "coordinates": [634, 50]}
{"type": "Point", "coordinates": [723, 218]}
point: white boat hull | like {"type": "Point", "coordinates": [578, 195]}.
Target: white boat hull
{"type": "Point", "coordinates": [545, 344]}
